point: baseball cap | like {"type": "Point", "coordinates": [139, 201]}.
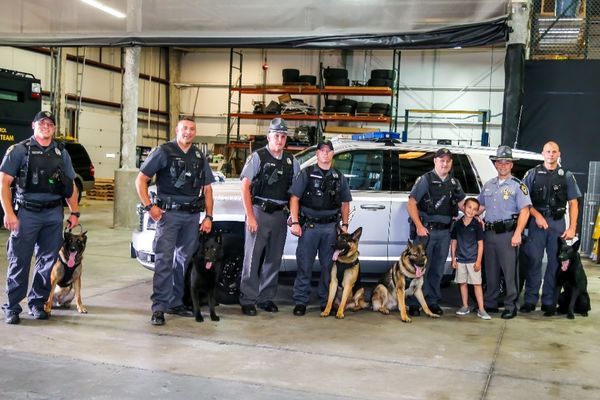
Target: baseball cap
{"type": "Point", "coordinates": [325, 143]}
{"type": "Point", "coordinates": [443, 152]}
{"type": "Point", "coordinates": [278, 125]}
{"type": "Point", "coordinates": [44, 114]}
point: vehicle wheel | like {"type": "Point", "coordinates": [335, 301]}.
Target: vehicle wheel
{"type": "Point", "coordinates": [383, 74]}
{"type": "Point", "coordinates": [79, 190]}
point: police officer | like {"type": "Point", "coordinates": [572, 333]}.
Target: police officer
{"type": "Point", "coordinates": [433, 202]}
{"type": "Point", "coordinates": [43, 173]}
{"type": "Point", "coordinates": [551, 188]}
{"type": "Point", "coordinates": [320, 200]}
{"type": "Point", "coordinates": [183, 182]}
{"type": "Point", "coordinates": [505, 200]}
{"type": "Point", "coordinates": [266, 180]}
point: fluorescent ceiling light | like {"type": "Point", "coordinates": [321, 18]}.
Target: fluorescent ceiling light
{"type": "Point", "coordinates": [106, 9]}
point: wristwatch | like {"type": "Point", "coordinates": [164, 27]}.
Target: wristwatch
{"type": "Point", "coordinates": [148, 207]}
{"type": "Point", "coordinates": [76, 213]}
{"type": "Point", "coordinates": [209, 217]}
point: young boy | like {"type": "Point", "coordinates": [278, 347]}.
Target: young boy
{"type": "Point", "coordinates": [467, 251]}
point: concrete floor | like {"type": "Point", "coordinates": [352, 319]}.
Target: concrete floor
{"type": "Point", "coordinates": [113, 352]}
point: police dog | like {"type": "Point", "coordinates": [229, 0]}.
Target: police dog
{"type": "Point", "coordinates": [403, 279]}
{"type": "Point", "coordinates": [65, 278]}
{"type": "Point", "coordinates": [570, 292]}
{"type": "Point", "coordinates": [206, 266]}
{"type": "Point", "coordinates": [345, 268]}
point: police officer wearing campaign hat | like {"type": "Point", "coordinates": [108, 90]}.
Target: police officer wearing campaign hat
{"type": "Point", "coordinates": [432, 204]}
{"type": "Point", "coordinates": [320, 201]}
{"type": "Point", "coordinates": [505, 200]}
{"type": "Point", "coordinates": [551, 187]}
{"type": "Point", "coordinates": [266, 180]}
{"type": "Point", "coordinates": [43, 175]}
{"type": "Point", "coordinates": [183, 184]}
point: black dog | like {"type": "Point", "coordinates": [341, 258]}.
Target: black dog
{"type": "Point", "coordinates": [206, 266]}
{"type": "Point", "coordinates": [571, 283]}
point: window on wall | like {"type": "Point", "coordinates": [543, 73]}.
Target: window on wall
{"type": "Point", "coordinates": [362, 168]}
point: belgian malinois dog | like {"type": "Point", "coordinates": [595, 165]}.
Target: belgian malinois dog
{"type": "Point", "coordinates": [65, 278]}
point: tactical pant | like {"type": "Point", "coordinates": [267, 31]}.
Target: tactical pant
{"type": "Point", "coordinates": [41, 231]}
{"type": "Point", "coordinates": [317, 240]}
{"type": "Point", "coordinates": [500, 256]}
{"type": "Point", "coordinates": [438, 246]}
{"type": "Point", "coordinates": [175, 242]}
{"type": "Point", "coordinates": [540, 240]}
{"type": "Point", "coordinates": [259, 282]}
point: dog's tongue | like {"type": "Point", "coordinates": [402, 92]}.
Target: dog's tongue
{"type": "Point", "coordinates": [335, 255]}
{"type": "Point", "coordinates": [208, 264]}
{"type": "Point", "coordinates": [71, 260]}
{"type": "Point", "coordinates": [564, 265]}
{"type": "Point", "coordinates": [418, 272]}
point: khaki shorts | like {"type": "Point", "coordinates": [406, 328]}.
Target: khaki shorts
{"type": "Point", "coordinates": [465, 273]}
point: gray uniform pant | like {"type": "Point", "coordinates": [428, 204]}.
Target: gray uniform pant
{"type": "Point", "coordinates": [500, 256]}
{"type": "Point", "coordinates": [540, 240]}
{"type": "Point", "coordinates": [319, 239]}
{"type": "Point", "coordinates": [41, 231]}
{"type": "Point", "coordinates": [259, 282]}
{"type": "Point", "coordinates": [174, 245]}
{"type": "Point", "coordinates": [438, 246]}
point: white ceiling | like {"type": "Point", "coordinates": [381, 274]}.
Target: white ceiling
{"type": "Point", "coordinates": [226, 22]}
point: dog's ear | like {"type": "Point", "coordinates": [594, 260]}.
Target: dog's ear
{"type": "Point", "coordinates": [561, 242]}
{"type": "Point", "coordinates": [356, 234]}
{"type": "Point", "coordinates": [339, 230]}
{"type": "Point", "coordinates": [575, 245]}
{"type": "Point", "coordinates": [219, 237]}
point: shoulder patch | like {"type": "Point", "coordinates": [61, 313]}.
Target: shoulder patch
{"type": "Point", "coordinates": [524, 189]}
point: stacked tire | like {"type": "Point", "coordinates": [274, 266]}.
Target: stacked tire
{"type": "Point", "coordinates": [380, 108]}
{"type": "Point", "coordinates": [382, 77]}
{"type": "Point", "coordinates": [336, 77]}
{"type": "Point", "coordinates": [292, 76]}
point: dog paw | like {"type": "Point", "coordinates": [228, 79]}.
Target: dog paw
{"type": "Point", "coordinates": [324, 314]}
{"type": "Point", "coordinates": [384, 311]}
{"type": "Point", "coordinates": [339, 316]}
{"type": "Point", "coordinates": [407, 320]}
{"type": "Point", "coordinates": [584, 314]}
{"type": "Point", "coordinates": [432, 315]}
{"type": "Point", "coordinates": [549, 314]}
{"type": "Point", "coordinates": [47, 308]}
{"type": "Point", "coordinates": [199, 318]}
{"type": "Point", "coordinates": [570, 316]}
{"type": "Point", "coordinates": [82, 310]}
{"type": "Point", "coordinates": [215, 318]}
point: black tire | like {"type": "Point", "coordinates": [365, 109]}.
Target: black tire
{"type": "Point", "coordinates": [335, 73]}
{"type": "Point", "coordinates": [384, 106]}
{"type": "Point", "coordinates": [290, 75]}
{"type": "Point", "coordinates": [310, 79]}
{"type": "Point", "coordinates": [365, 110]}
{"type": "Point", "coordinates": [381, 82]}
{"type": "Point", "coordinates": [383, 74]}
{"type": "Point", "coordinates": [337, 82]}
{"type": "Point", "coordinates": [329, 108]}
{"type": "Point", "coordinates": [332, 102]}
{"type": "Point", "coordinates": [364, 104]}
{"type": "Point", "coordinates": [353, 103]}
{"type": "Point", "coordinates": [345, 108]}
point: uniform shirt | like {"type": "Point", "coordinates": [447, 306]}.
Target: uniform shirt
{"type": "Point", "coordinates": [252, 168]}
{"type": "Point", "coordinates": [466, 237]}
{"type": "Point", "coordinates": [421, 188]}
{"type": "Point", "coordinates": [16, 156]}
{"type": "Point", "coordinates": [573, 191]}
{"type": "Point", "coordinates": [503, 200]}
{"type": "Point", "coordinates": [300, 183]}
{"type": "Point", "coordinates": [158, 160]}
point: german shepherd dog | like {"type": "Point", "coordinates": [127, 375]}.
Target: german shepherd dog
{"type": "Point", "coordinates": [570, 292]}
{"type": "Point", "coordinates": [65, 278]}
{"type": "Point", "coordinates": [345, 268]}
{"type": "Point", "coordinates": [403, 279]}
{"type": "Point", "coordinates": [206, 266]}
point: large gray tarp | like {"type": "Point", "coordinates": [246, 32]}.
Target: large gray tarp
{"type": "Point", "coordinates": [258, 23]}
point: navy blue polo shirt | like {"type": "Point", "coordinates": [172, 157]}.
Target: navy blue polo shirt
{"type": "Point", "coordinates": [467, 238]}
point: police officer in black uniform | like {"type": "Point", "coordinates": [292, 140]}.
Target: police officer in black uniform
{"type": "Point", "coordinates": [266, 180]}
{"type": "Point", "coordinates": [183, 182]}
{"type": "Point", "coordinates": [43, 175]}
{"type": "Point", "coordinates": [432, 204]}
{"type": "Point", "coordinates": [320, 201]}
{"type": "Point", "coordinates": [552, 188]}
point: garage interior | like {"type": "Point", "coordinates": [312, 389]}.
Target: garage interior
{"type": "Point", "coordinates": [119, 86]}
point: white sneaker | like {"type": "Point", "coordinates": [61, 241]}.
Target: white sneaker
{"type": "Point", "coordinates": [463, 311]}
{"type": "Point", "coordinates": [483, 315]}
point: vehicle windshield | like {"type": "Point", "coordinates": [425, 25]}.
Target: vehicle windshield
{"type": "Point", "coordinates": [305, 154]}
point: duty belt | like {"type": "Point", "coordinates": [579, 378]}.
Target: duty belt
{"type": "Point", "coordinates": [268, 206]}
{"type": "Point", "coordinates": [556, 214]}
{"type": "Point", "coordinates": [38, 206]}
{"type": "Point", "coordinates": [506, 225]}
{"type": "Point", "coordinates": [189, 207]}
{"type": "Point", "coordinates": [436, 226]}
{"type": "Point", "coordinates": [320, 220]}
